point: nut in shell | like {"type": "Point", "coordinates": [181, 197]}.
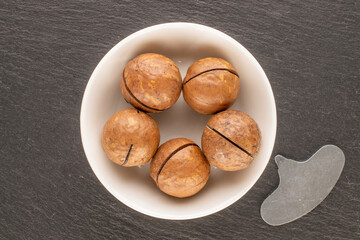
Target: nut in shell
{"type": "Point", "coordinates": [231, 140]}
{"type": "Point", "coordinates": [211, 85]}
{"type": "Point", "coordinates": [179, 168]}
{"type": "Point", "coordinates": [151, 82]}
{"type": "Point", "coordinates": [130, 138]}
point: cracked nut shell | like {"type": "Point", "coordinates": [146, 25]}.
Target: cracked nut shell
{"type": "Point", "coordinates": [151, 82]}
{"type": "Point", "coordinates": [211, 85]}
{"type": "Point", "coordinates": [130, 138]}
{"type": "Point", "coordinates": [179, 168]}
{"type": "Point", "coordinates": [230, 140]}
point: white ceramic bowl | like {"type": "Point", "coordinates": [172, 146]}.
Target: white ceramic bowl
{"type": "Point", "coordinates": [184, 43]}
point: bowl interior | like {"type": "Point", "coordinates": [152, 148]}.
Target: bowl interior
{"type": "Point", "coordinates": [184, 43]}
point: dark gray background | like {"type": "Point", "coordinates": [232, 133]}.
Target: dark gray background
{"type": "Point", "coordinates": [308, 49]}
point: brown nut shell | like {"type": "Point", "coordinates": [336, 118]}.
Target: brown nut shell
{"type": "Point", "coordinates": [179, 168]}
{"type": "Point", "coordinates": [211, 85]}
{"type": "Point", "coordinates": [231, 140]}
{"type": "Point", "coordinates": [130, 138]}
{"type": "Point", "coordinates": [151, 82]}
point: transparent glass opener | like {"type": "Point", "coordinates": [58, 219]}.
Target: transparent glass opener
{"type": "Point", "coordinates": [303, 185]}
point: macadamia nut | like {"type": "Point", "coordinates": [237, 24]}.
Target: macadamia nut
{"type": "Point", "coordinates": [151, 82]}
{"type": "Point", "coordinates": [231, 140]}
{"type": "Point", "coordinates": [179, 168]}
{"type": "Point", "coordinates": [211, 85]}
{"type": "Point", "coordinates": [130, 138]}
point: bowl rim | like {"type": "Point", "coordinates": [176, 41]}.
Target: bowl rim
{"type": "Point", "coordinates": [146, 30]}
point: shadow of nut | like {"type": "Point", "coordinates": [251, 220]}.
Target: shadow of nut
{"type": "Point", "coordinates": [151, 82]}
{"type": "Point", "coordinates": [130, 138]}
{"type": "Point", "coordinates": [179, 168]}
{"type": "Point", "coordinates": [211, 85]}
{"type": "Point", "coordinates": [231, 140]}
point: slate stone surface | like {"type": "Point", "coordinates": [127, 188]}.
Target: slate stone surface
{"type": "Point", "coordinates": [48, 49]}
